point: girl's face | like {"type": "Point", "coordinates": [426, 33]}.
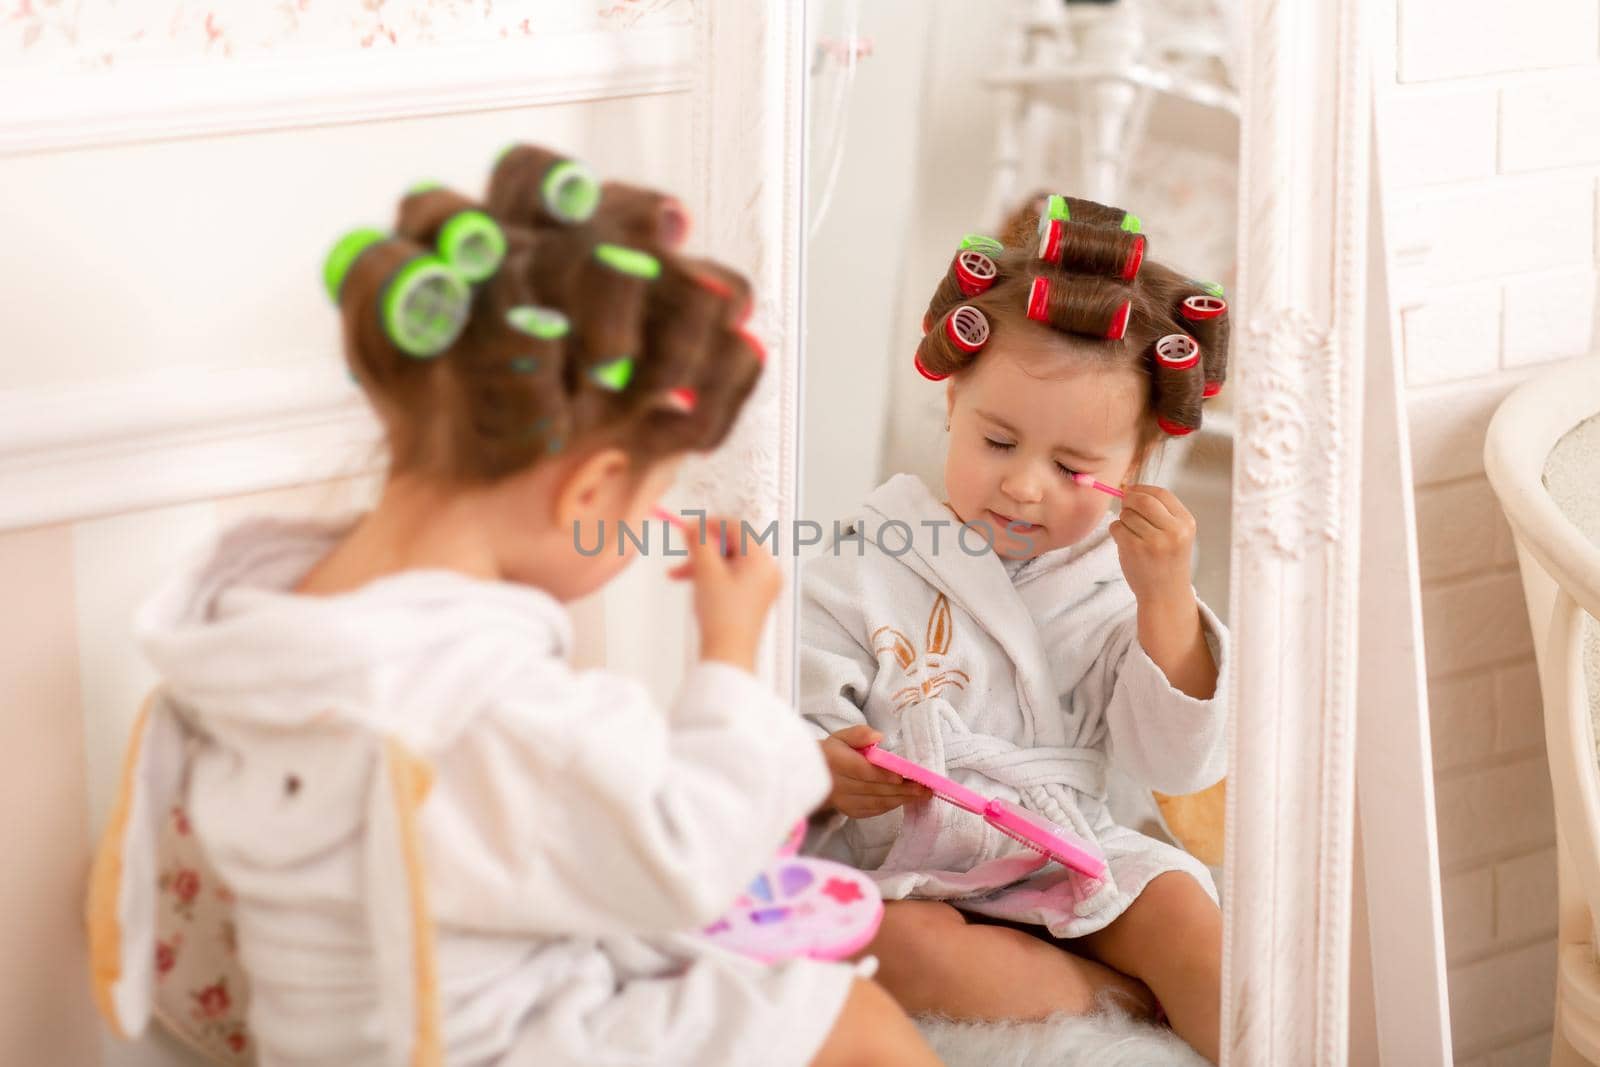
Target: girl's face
{"type": "Point", "coordinates": [1020, 423]}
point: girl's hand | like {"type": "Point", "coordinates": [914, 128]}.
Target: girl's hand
{"type": "Point", "coordinates": [861, 790]}
{"type": "Point", "coordinates": [1155, 541]}
{"type": "Point", "coordinates": [732, 593]}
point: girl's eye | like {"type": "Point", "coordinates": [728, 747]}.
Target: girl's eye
{"type": "Point", "coordinates": [1068, 471]}
{"type": "Point", "coordinates": [999, 446]}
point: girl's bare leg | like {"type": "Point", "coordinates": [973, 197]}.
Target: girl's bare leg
{"type": "Point", "coordinates": [872, 1031]}
{"type": "Point", "coordinates": [933, 960]}
{"type": "Point", "coordinates": [1171, 939]}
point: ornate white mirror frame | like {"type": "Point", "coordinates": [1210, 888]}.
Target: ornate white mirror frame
{"type": "Point", "coordinates": [1299, 400]}
{"type": "Point", "coordinates": [1304, 186]}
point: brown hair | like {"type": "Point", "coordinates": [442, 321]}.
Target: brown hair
{"type": "Point", "coordinates": [591, 332]}
{"type": "Point", "coordinates": [1086, 275]}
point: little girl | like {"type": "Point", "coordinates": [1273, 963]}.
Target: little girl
{"type": "Point", "coordinates": [446, 845]}
{"type": "Point", "coordinates": [1018, 637]}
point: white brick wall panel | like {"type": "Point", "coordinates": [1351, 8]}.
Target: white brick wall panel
{"type": "Point", "coordinates": [1519, 708]}
{"type": "Point", "coordinates": [1431, 136]}
{"type": "Point", "coordinates": [1502, 996]}
{"type": "Point", "coordinates": [1549, 316]}
{"type": "Point", "coordinates": [1452, 335]}
{"type": "Point", "coordinates": [1448, 426]}
{"type": "Point", "coordinates": [1525, 896]}
{"type": "Point", "coordinates": [1482, 231]}
{"type": "Point", "coordinates": [1468, 900]}
{"type": "Point", "coordinates": [1470, 624]}
{"type": "Point", "coordinates": [1550, 123]}
{"type": "Point", "coordinates": [1461, 38]}
{"type": "Point", "coordinates": [1461, 719]}
{"type": "Point", "coordinates": [1494, 811]}
{"type": "Point", "coordinates": [1458, 529]}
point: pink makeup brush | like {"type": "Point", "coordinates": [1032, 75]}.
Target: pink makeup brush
{"type": "Point", "coordinates": [688, 531]}
{"type": "Point", "coordinates": [1088, 482]}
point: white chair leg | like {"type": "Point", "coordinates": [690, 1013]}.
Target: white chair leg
{"type": "Point", "coordinates": [1111, 105]}
{"type": "Point", "coordinates": [1006, 181]}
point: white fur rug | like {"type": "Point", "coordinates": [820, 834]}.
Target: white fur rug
{"type": "Point", "coordinates": [1105, 1039]}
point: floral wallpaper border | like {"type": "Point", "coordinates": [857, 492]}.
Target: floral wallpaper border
{"type": "Point", "coordinates": [55, 36]}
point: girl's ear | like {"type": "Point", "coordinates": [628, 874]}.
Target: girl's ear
{"type": "Point", "coordinates": [949, 402]}
{"type": "Point", "coordinates": [600, 487]}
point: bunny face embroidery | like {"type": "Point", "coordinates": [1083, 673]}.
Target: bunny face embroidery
{"type": "Point", "coordinates": [928, 673]}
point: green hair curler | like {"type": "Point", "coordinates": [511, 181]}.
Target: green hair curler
{"type": "Point", "coordinates": [570, 191]}
{"type": "Point", "coordinates": [345, 251]}
{"type": "Point", "coordinates": [472, 243]}
{"type": "Point", "coordinates": [425, 306]}
{"type": "Point", "coordinates": [628, 261]}
{"type": "Point", "coordinates": [977, 242]}
{"type": "Point", "coordinates": [547, 324]}
{"type": "Point", "coordinates": [614, 375]}
{"type": "Point", "coordinates": [1056, 209]}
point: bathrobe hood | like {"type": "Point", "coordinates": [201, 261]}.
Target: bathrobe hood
{"type": "Point", "coordinates": [233, 642]}
{"type": "Point", "coordinates": [245, 659]}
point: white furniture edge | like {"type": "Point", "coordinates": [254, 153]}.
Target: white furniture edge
{"type": "Point", "coordinates": [1560, 569]}
{"type": "Point", "coordinates": [1515, 466]}
{"type": "Point", "coordinates": [87, 109]}
{"type": "Point", "coordinates": [1299, 328]}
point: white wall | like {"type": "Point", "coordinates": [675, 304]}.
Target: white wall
{"type": "Point", "coordinates": [1491, 148]}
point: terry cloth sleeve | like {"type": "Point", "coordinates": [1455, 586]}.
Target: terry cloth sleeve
{"type": "Point", "coordinates": [1160, 735]}
{"type": "Point", "coordinates": [836, 666]}
{"type": "Point", "coordinates": [584, 808]}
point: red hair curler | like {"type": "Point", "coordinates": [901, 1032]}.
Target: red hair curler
{"type": "Point", "coordinates": [916, 361]}
{"type": "Point", "coordinates": [967, 328]}
{"type": "Point", "coordinates": [975, 272]}
{"type": "Point", "coordinates": [1200, 308]}
{"type": "Point", "coordinates": [1178, 351]}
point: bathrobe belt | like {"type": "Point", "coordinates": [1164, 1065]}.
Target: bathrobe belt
{"type": "Point", "coordinates": [1082, 769]}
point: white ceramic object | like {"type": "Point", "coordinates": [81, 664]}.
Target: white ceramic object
{"type": "Point", "coordinates": [1560, 564]}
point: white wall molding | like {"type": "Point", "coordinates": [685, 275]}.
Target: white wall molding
{"type": "Point", "coordinates": [74, 452]}
{"type": "Point", "coordinates": [80, 110]}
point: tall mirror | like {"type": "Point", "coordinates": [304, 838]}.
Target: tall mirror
{"type": "Point", "coordinates": [984, 604]}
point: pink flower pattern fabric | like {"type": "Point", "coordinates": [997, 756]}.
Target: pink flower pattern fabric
{"type": "Point", "coordinates": [201, 990]}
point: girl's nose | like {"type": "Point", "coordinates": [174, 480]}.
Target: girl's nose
{"type": "Point", "coordinates": [1021, 487]}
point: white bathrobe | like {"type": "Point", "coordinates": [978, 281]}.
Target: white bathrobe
{"type": "Point", "coordinates": [531, 909]}
{"type": "Point", "coordinates": [1020, 680]}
